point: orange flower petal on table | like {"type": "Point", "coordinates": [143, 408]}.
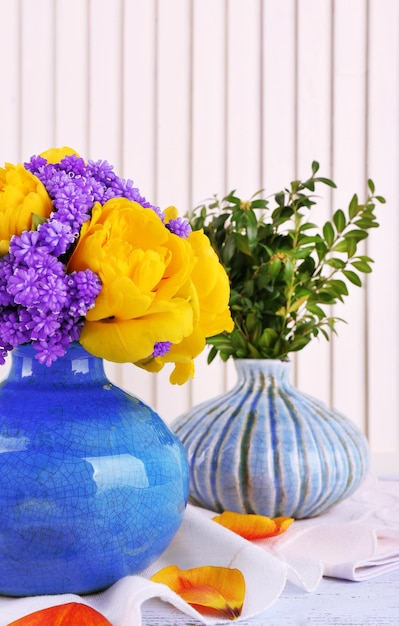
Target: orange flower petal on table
{"type": "Point", "coordinates": [212, 590]}
{"type": "Point", "coordinates": [70, 614]}
{"type": "Point", "coordinates": [251, 526]}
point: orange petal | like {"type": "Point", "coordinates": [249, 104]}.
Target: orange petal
{"type": "Point", "coordinates": [251, 526]}
{"type": "Point", "coordinates": [63, 615]}
{"type": "Point", "coordinates": [213, 590]}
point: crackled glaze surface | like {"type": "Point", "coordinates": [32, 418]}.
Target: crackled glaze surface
{"type": "Point", "coordinates": [265, 447]}
{"type": "Point", "coordinates": [93, 485]}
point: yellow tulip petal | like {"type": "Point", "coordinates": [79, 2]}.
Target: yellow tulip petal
{"type": "Point", "coordinates": [251, 526]}
{"type": "Point", "coordinates": [170, 213]}
{"type": "Point", "coordinates": [128, 341]}
{"type": "Point", "coordinates": [182, 372]}
{"type": "Point", "coordinates": [182, 355]}
{"type": "Point", "coordinates": [22, 195]}
{"type": "Point", "coordinates": [215, 590]}
{"type": "Point", "coordinates": [121, 299]}
{"type": "Point", "coordinates": [55, 155]}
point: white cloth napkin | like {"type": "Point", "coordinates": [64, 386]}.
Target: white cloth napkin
{"type": "Point", "coordinates": [357, 539]}
{"type": "Point", "coordinates": [198, 542]}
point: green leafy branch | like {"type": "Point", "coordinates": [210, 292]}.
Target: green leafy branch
{"type": "Point", "coordinates": [284, 271]}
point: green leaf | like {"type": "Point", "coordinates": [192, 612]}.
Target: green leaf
{"type": "Point", "coordinates": [352, 277]}
{"type": "Point", "coordinates": [366, 222]}
{"type": "Point", "coordinates": [315, 309]}
{"type": "Point", "coordinates": [358, 235]}
{"type": "Point", "coordinates": [352, 247]}
{"type": "Point", "coordinates": [362, 266]}
{"type": "Point", "coordinates": [242, 244]}
{"type": "Point", "coordinates": [252, 229]}
{"type": "Point", "coordinates": [288, 271]}
{"type": "Point", "coordinates": [211, 354]}
{"type": "Point", "coordinates": [341, 246]}
{"type": "Point", "coordinates": [353, 207]}
{"type": "Point", "coordinates": [268, 337]}
{"type": "Point", "coordinates": [315, 167]}
{"type": "Point", "coordinates": [328, 233]}
{"type": "Point", "coordinates": [274, 267]}
{"type": "Point", "coordinates": [326, 181]}
{"type": "Point", "coordinates": [228, 251]}
{"type": "Point", "coordinates": [336, 263]}
{"type": "Point", "coordinates": [259, 204]}
{"type": "Point", "coordinates": [339, 220]}
{"type": "Point", "coordinates": [37, 220]}
{"type": "Point", "coordinates": [338, 287]}
{"type": "Point", "coordinates": [280, 199]}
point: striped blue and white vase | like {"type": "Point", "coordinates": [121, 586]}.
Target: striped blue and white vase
{"type": "Point", "coordinates": [267, 448]}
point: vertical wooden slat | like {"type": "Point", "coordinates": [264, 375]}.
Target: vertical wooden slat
{"type": "Point", "coordinates": [37, 85]}
{"type": "Point", "coordinates": [383, 285]}
{"type": "Point", "coordinates": [243, 98]}
{"type": "Point", "coordinates": [139, 91]}
{"type": "Point", "coordinates": [279, 97]}
{"type": "Point", "coordinates": [349, 125]}
{"type": "Point", "coordinates": [71, 118]}
{"type": "Point", "coordinates": [105, 81]}
{"type": "Point", "coordinates": [314, 68]}
{"type": "Point", "coordinates": [10, 102]}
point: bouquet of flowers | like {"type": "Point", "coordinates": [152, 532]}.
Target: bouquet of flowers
{"type": "Point", "coordinates": [84, 257]}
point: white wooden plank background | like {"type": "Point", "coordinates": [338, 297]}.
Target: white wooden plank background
{"type": "Point", "coordinates": [195, 97]}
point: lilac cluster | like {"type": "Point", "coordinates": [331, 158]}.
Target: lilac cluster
{"type": "Point", "coordinates": [39, 301]}
{"type": "Point", "coordinates": [180, 227]}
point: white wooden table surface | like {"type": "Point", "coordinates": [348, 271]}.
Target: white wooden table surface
{"type": "Point", "coordinates": [334, 603]}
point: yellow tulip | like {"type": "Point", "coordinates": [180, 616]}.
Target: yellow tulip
{"type": "Point", "coordinates": [156, 287]}
{"type": "Point", "coordinates": [146, 294]}
{"type": "Point", "coordinates": [22, 196]}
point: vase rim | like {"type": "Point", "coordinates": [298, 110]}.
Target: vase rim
{"type": "Point", "coordinates": [73, 351]}
{"type": "Point", "coordinates": [260, 360]}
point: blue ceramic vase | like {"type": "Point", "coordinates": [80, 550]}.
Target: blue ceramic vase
{"type": "Point", "coordinates": [267, 448]}
{"type": "Point", "coordinates": [93, 484]}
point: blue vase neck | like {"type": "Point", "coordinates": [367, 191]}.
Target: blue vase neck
{"type": "Point", "coordinates": [265, 368]}
{"type": "Point", "coordinates": [75, 366]}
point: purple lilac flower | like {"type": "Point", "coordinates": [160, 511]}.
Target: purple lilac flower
{"type": "Point", "coordinates": [22, 285]}
{"type": "Point", "coordinates": [180, 227]}
{"type": "Point", "coordinates": [83, 289]}
{"type": "Point", "coordinates": [56, 236]}
{"type": "Point", "coordinates": [27, 248]}
{"type": "Point", "coordinates": [161, 348]}
{"type": "Point", "coordinates": [43, 327]}
{"type": "Point", "coordinates": [4, 350]}
{"type": "Point", "coordinates": [12, 329]}
{"type": "Point", "coordinates": [49, 350]}
{"type": "Point", "coordinates": [74, 165]}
